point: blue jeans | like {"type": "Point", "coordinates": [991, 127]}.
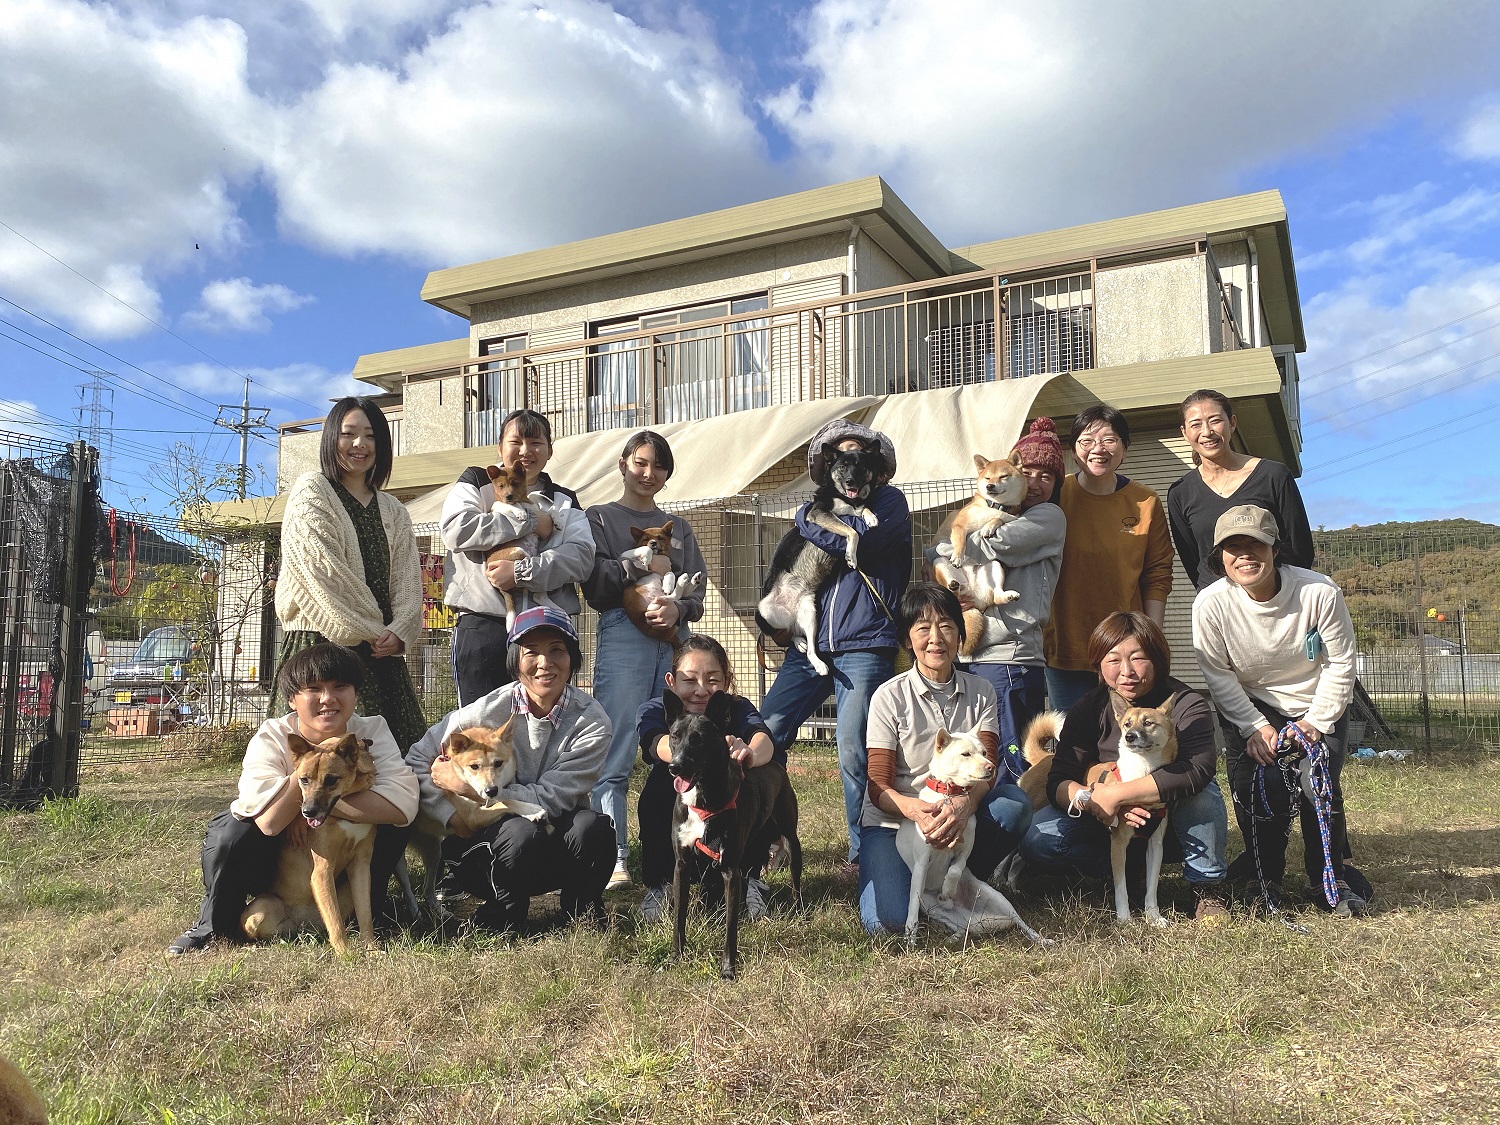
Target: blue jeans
{"type": "Point", "coordinates": [1199, 825]}
{"type": "Point", "coordinates": [1065, 688]}
{"type": "Point", "coordinates": [1021, 694]}
{"type": "Point", "coordinates": [885, 880]}
{"type": "Point", "coordinates": [798, 692]}
{"type": "Point", "coordinates": [629, 668]}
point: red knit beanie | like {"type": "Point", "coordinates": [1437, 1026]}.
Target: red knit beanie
{"type": "Point", "coordinates": [1039, 448]}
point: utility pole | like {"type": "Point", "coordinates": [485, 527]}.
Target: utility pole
{"type": "Point", "coordinates": [244, 427]}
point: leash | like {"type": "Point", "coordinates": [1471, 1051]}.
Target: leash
{"type": "Point", "coordinates": [1292, 745]}
{"type": "Point", "coordinates": [114, 587]}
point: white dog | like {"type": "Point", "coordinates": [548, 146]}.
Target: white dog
{"type": "Point", "coordinates": [940, 881]}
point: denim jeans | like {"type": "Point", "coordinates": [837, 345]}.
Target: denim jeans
{"type": "Point", "coordinates": [629, 668]}
{"type": "Point", "coordinates": [1065, 688]}
{"type": "Point", "coordinates": [797, 693]}
{"type": "Point", "coordinates": [885, 880]}
{"type": "Point", "coordinates": [1199, 825]}
{"type": "Point", "coordinates": [1021, 694]}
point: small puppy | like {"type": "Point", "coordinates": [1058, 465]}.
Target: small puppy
{"type": "Point", "coordinates": [788, 608]}
{"type": "Point", "coordinates": [473, 769]}
{"type": "Point", "coordinates": [510, 498]}
{"type": "Point", "coordinates": [958, 764]}
{"type": "Point", "coordinates": [998, 492]}
{"type": "Point", "coordinates": [726, 816]}
{"type": "Point", "coordinates": [1148, 741]}
{"type": "Point", "coordinates": [324, 881]}
{"type": "Point", "coordinates": [651, 552]}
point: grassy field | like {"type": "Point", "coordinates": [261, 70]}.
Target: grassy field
{"type": "Point", "coordinates": [1395, 1017]}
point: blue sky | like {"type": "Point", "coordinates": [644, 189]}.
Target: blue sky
{"type": "Point", "coordinates": [269, 183]}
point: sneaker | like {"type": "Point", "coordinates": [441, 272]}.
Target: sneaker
{"type": "Point", "coordinates": [194, 940]}
{"type": "Point", "coordinates": [1210, 910]}
{"type": "Point", "coordinates": [654, 906]}
{"type": "Point", "coordinates": [1351, 904]}
{"type": "Point", "coordinates": [619, 879]}
{"type": "Point", "coordinates": [755, 899]}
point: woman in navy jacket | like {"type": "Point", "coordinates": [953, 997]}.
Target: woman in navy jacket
{"type": "Point", "coordinates": [856, 630]}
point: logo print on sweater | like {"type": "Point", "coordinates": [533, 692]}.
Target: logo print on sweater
{"type": "Point", "coordinates": [1128, 524]}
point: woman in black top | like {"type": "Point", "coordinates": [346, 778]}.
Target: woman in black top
{"type": "Point", "coordinates": [1223, 479]}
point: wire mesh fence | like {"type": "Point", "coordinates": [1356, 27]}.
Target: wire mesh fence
{"type": "Point", "coordinates": [184, 644]}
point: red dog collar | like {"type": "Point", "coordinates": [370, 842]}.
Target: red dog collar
{"type": "Point", "coordinates": [946, 788]}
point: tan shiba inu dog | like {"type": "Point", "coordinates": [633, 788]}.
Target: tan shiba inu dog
{"type": "Point", "coordinates": [650, 551]}
{"type": "Point", "coordinates": [320, 884]}
{"type": "Point", "coordinates": [998, 492]}
{"type": "Point", "coordinates": [20, 1104]}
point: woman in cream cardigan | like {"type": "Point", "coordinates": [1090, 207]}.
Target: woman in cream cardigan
{"type": "Point", "coordinates": [349, 568]}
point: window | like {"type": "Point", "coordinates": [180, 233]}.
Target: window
{"type": "Point", "coordinates": [498, 389]}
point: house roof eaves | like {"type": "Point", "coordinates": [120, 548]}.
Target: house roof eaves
{"type": "Point", "coordinates": [870, 201]}
{"type": "Point", "coordinates": [377, 367]}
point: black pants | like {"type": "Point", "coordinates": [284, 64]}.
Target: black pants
{"type": "Point", "coordinates": [479, 656]}
{"type": "Point", "coordinates": [512, 860]}
{"type": "Point", "coordinates": [1269, 835]}
{"type": "Point", "coordinates": [239, 862]}
{"type": "Point", "coordinates": [654, 811]}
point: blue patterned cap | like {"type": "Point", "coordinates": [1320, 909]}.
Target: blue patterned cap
{"type": "Point", "coordinates": [542, 617]}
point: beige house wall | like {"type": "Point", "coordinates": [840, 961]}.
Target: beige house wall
{"type": "Point", "coordinates": [296, 454]}
{"type": "Point", "coordinates": [432, 416]}
{"type": "Point", "coordinates": [876, 268]}
{"type": "Point", "coordinates": [1152, 311]}
{"type": "Point", "coordinates": [746, 272]}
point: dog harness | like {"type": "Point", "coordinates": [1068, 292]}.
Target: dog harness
{"type": "Point", "coordinates": [708, 814]}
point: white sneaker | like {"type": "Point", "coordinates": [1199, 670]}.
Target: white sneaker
{"type": "Point", "coordinates": [620, 879]}
{"type": "Point", "coordinates": [654, 906]}
{"type": "Point", "coordinates": [755, 899]}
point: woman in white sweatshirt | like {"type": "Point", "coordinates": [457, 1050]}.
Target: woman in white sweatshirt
{"type": "Point", "coordinates": [1276, 645]}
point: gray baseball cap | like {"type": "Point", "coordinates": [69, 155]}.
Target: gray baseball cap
{"type": "Point", "coordinates": [1246, 519]}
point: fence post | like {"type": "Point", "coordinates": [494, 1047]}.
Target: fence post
{"type": "Point", "coordinates": [10, 627]}
{"type": "Point", "coordinates": [68, 695]}
{"type": "Point", "coordinates": [1416, 558]}
{"type": "Point", "coordinates": [760, 568]}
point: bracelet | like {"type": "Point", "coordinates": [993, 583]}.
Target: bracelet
{"type": "Point", "coordinates": [1080, 798]}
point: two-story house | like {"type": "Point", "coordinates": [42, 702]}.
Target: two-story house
{"type": "Point", "coordinates": [739, 332]}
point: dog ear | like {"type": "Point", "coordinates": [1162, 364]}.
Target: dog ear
{"type": "Point", "coordinates": [1118, 704]}
{"type": "Point", "coordinates": [349, 747]}
{"type": "Point", "coordinates": [981, 462]}
{"type": "Point", "coordinates": [298, 746]}
{"type": "Point", "coordinates": [1015, 458]}
{"type": "Point", "coordinates": [672, 706]}
{"type": "Point", "coordinates": [942, 739]}
{"type": "Point", "coordinates": [456, 743]}
{"type": "Point", "coordinates": [637, 534]}
{"type": "Point", "coordinates": [666, 528]}
{"type": "Point", "coordinates": [502, 734]}
{"type": "Point", "coordinates": [718, 709]}
{"type": "Point", "coordinates": [1172, 701]}
{"type": "Point", "coordinates": [494, 472]}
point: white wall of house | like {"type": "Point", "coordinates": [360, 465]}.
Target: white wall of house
{"type": "Point", "coordinates": [432, 416]}
{"type": "Point", "coordinates": [1151, 311]}
{"type": "Point", "coordinates": [876, 268]}
{"type": "Point", "coordinates": [296, 454]}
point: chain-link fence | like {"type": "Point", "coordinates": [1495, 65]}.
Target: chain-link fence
{"type": "Point", "coordinates": [184, 639]}
{"type": "Point", "coordinates": [47, 505]}
{"type": "Point", "coordinates": [1424, 599]}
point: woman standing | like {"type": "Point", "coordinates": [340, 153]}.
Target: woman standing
{"type": "Point", "coordinates": [349, 569]}
{"type": "Point", "coordinates": [560, 735]}
{"type": "Point", "coordinates": [471, 528]}
{"type": "Point", "coordinates": [906, 713]}
{"type": "Point", "coordinates": [1224, 479]}
{"type": "Point", "coordinates": [1276, 645]}
{"type": "Point", "coordinates": [1117, 557]}
{"type": "Point", "coordinates": [1130, 654]}
{"type": "Point", "coordinates": [699, 668]}
{"type": "Point", "coordinates": [629, 666]}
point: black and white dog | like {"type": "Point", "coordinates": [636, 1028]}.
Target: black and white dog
{"type": "Point", "coordinates": [799, 569]}
{"type": "Point", "coordinates": [726, 816]}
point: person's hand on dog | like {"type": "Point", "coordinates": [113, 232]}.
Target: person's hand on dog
{"type": "Point", "coordinates": [663, 611]}
{"type": "Point", "coordinates": [1106, 807]}
{"type": "Point", "coordinates": [387, 644]}
{"type": "Point", "coordinates": [445, 776]}
{"type": "Point", "coordinates": [739, 749]}
{"type": "Point", "coordinates": [943, 827]}
{"type": "Point", "coordinates": [298, 833]}
{"type": "Point", "coordinates": [501, 573]}
{"type": "Point", "coordinates": [1261, 745]}
{"type": "Point", "coordinates": [544, 526]}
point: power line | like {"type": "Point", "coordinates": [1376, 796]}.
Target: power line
{"type": "Point", "coordinates": [1409, 339]}
{"type": "Point", "coordinates": [1397, 363]}
{"type": "Point", "coordinates": [142, 315]}
{"type": "Point", "coordinates": [1323, 421]}
{"type": "Point", "coordinates": [1404, 438]}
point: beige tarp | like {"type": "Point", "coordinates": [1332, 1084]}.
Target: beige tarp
{"type": "Point", "coordinates": [936, 434]}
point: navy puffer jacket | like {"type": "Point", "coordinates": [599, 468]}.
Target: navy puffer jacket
{"type": "Point", "coordinates": [849, 617]}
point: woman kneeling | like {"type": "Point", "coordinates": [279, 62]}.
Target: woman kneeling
{"type": "Point", "coordinates": [1130, 654]}
{"type": "Point", "coordinates": [906, 714]}
{"type": "Point", "coordinates": [560, 736]}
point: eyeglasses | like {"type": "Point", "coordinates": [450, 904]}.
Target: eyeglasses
{"type": "Point", "coordinates": [1087, 443]}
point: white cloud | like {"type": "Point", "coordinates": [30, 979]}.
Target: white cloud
{"type": "Point", "coordinates": [520, 126]}
{"type": "Point", "coordinates": [120, 143]}
{"type": "Point", "coordinates": [18, 416]}
{"type": "Point", "coordinates": [1479, 136]}
{"type": "Point", "coordinates": [994, 119]}
{"type": "Point", "coordinates": [295, 390]}
{"type": "Point", "coordinates": [237, 304]}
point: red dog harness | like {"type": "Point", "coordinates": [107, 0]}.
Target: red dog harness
{"type": "Point", "coordinates": [708, 814]}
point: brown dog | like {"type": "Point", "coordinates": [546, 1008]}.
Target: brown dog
{"type": "Point", "coordinates": [308, 890]}
{"type": "Point", "coordinates": [650, 551]}
{"type": "Point", "coordinates": [510, 490]}
{"type": "Point", "coordinates": [20, 1104]}
{"type": "Point", "coordinates": [998, 491]}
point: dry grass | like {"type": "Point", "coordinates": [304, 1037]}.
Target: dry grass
{"type": "Point", "coordinates": [1392, 1018]}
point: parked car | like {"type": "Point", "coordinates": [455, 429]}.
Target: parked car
{"type": "Point", "coordinates": [160, 668]}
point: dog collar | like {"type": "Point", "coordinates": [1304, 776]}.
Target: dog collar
{"type": "Point", "coordinates": [708, 813]}
{"type": "Point", "coordinates": [991, 504]}
{"type": "Point", "coordinates": [946, 788]}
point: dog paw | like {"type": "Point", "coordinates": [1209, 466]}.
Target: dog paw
{"type": "Point", "coordinates": [1007, 597]}
{"type": "Point", "coordinates": [817, 665]}
{"type": "Point", "coordinates": [851, 552]}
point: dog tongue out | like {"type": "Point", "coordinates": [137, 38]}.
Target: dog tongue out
{"type": "Point", "coordinates": [681, 784]}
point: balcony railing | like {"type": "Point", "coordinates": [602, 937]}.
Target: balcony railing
{"type": "Point", "coordinates": [907, 338]}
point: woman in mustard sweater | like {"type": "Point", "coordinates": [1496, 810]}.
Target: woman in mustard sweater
{"type": "Point", "coordinates": [1117, 556]}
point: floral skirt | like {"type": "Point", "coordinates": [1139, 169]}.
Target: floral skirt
{"type": "Point", "coordinates": [387, 690]}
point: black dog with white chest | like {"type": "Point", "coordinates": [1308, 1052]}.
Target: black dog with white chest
{"type": "Point", "coordinates": [726, 816]}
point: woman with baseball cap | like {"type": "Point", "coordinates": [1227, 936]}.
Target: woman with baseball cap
{"type": "Point", "coordinates": [560, 736]}
{"type": "Point", "coordinates": [1276, 646]}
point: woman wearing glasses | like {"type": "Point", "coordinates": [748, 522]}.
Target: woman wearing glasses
{"type": "Point", "coordinates": [1117, 556]}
